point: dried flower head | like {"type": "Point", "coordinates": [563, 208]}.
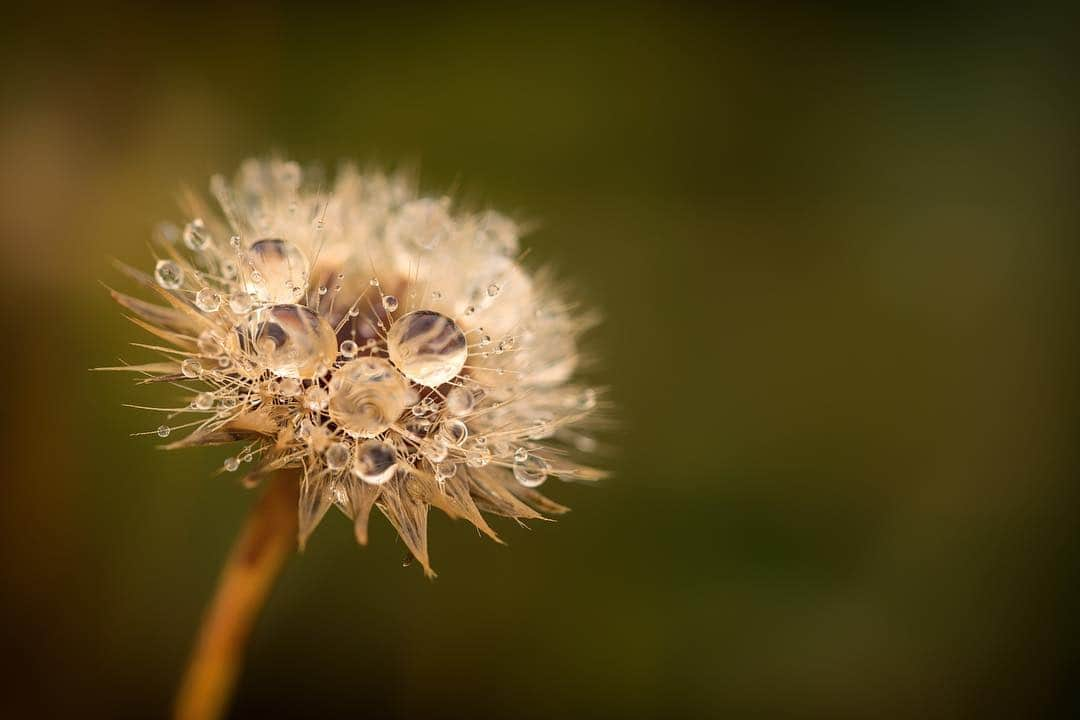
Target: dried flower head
{"type": "Point", "coordinates": [394, 351]}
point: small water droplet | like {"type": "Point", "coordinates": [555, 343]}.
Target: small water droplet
{"type": "Point", "coordinates": [521, 454]}
{"type": "Point", "coordinates": [374, 282]}
{"type": "Point", "coordinates": [390, 302]}
{"type": "Point", "coordinates": [530, 471]}
{"type": "Point", "coordinates": [196, 236]}
{"type": "Point", "coordinates": [349, 348]}
{"type": "Point", "coordinates": [191, 368]}
{"type": "Point", "coordinates": [241, 302]}
{"type": "Point", "coordinates": [337, 456]}
{"type": "Point", "coordinates": [231, 464]}
{"type": "Point", "coordinates": [493, 290]}
{"type": "Point", "coordinates": [235, 241]}
{"type": "Point", "coordinates": [204, 400]}
{"type": "Point", "coordinates": [434, 449]}
{"type": "Point", "coordinates": [454, 431]}
{"type": "Point", "coordinates": [316, 398]}
{"type": "Point", "coordinates": [479, 455]}
{"type": "Point", "coordinates": [164, 430]}
{"type": "Point", "coordinates": [208, 300]}
{"type": "Point", "coordinates": [168, 274]}
{"type": "Point", "coordinates": [289, 387]}
{"type": "Point", "coordinates": [460, 401]}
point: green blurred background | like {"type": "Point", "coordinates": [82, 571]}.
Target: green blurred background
{"type": "Point", "coordinates": [837, 253]}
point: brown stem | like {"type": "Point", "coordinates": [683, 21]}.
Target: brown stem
{"type": "Point", "coordinates": [266, 541]}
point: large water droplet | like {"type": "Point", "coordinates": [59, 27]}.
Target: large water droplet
{"type": "Point", "coordinates": [428, 347]}
{"type": "Point", "coordinates": [293, 341]}
{"type": "Point", "coordinates": [278, 271]}
{"type": "Point", "coordinates": [366, 396]}
{"type": "Point", "coordinates": [375, 462]}
{"type": "Point", "coordinates": [168, 274]}
{"type": "Point", "coordinates": [531, 471]}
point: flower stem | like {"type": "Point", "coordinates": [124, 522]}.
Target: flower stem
{"type": "Point", "coordinates": [259, 553]}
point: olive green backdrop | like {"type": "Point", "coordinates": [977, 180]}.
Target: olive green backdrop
{"type": "Point", "coordinates": [837, 254]}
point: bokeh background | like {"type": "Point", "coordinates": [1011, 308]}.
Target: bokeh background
{"type": "Point", "coordinates": [837, 253]}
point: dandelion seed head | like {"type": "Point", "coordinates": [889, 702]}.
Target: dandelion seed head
{"type": "Point", "coordinates": [390, 347]}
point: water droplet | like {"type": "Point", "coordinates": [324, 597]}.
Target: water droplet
{"type": "Point", "coordinates": [247, 457]}
{"type": "Point", "coordinates": [485, 340]}
{"type": "Point", "coordinates": [289, 387]}
{"type": "Point", "coordinates": [434, 449]}
{"type": "Point", "coordinates": [530, 471]}
{"type": "Point", "coordinates": [454, 431]}
{"type": "Point", "coordinates": [460, 401]}
{"type": "Point", "coordinates": [375, 463]}
{"type": "Point", "coordinates": [231, 464]}
{"type": "Point", "coordinates": [390, 302]}
{"type": "Point", "coordinates": [293, 341]}
{"type": "Point", "coordinates": [479, 455]}
{"type": "Point", "coordinates": [191, 368]}
{"type": "Point", "coordinates": [337, 455]}
{"type": "Point", "coordinates": [316, 398]}
{"type": "Point", "coordinates": [241, 302]}
{"type": "Point", "coordinates": [445, 470]}
{"type": "Point", "coordinates": [196, 236]}
{"type": "Point", "coordinates": [419, 225]}
{"type": "Point", "coordinates": [374, 282]}
{"type": "Point", "coordinates": [428, 347]}
{"type": "Point", "coordinates": [164, 430]}
{"type": "Point", "coordinates": [168, 274]}
{"type": "Point", "coordinates": [208, 300]}
{"type": "Point", "coordinates": [492, 290]}
{"type": "Point", "coordinates": [208, 343]}
{"type": "Point", "coordinates": [322, 290]}
{"type": "Point", "coordinates": [521, 454]}
{"type": "Point", "coordinates": [366, 396]}
{"type": "Point", "coordinates": [167, 232]}
{"type": "Point", "coordinates": [204, 400]}
{"type": "Point", "coordinates": [277, 269]}
{"type": "Point", "coordinates": [349, 349]}
{"type": "Point", "coordinates": [235, 241]}
{"type": "Point", "coordinates": [436, 295]}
